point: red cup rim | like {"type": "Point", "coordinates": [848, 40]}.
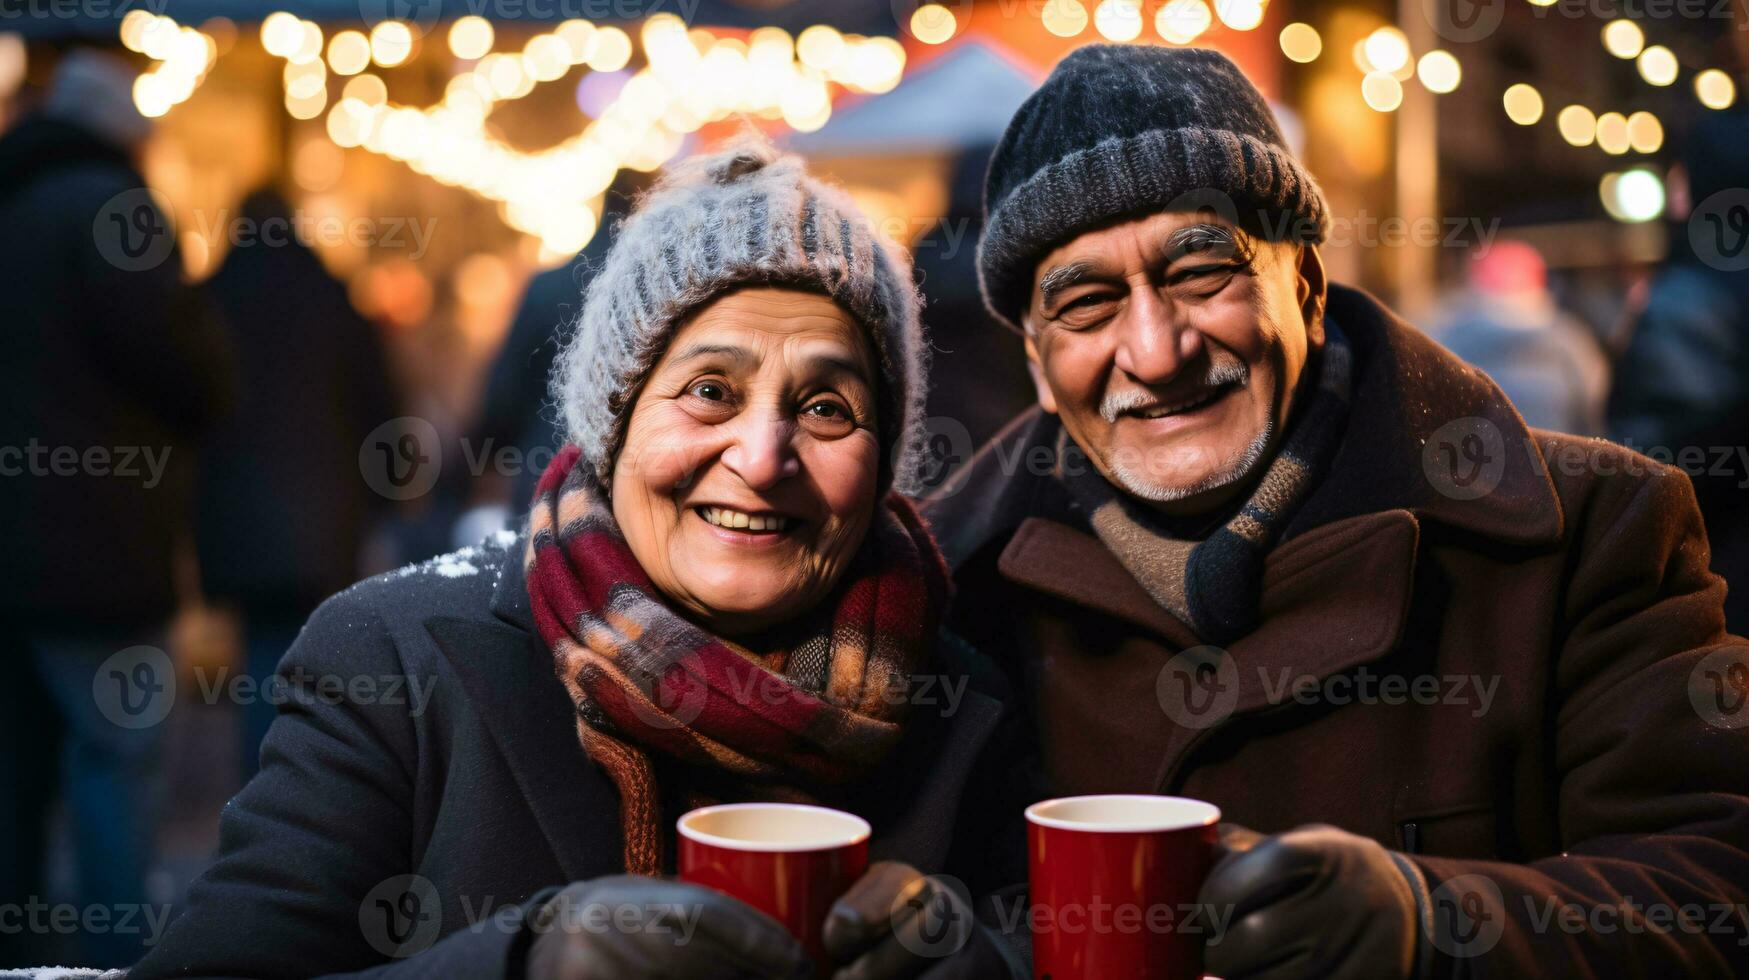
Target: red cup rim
{"type": "Point", "coordinates": [1197, 813]}
{"type": "Point", "coordinates": [859, 831]}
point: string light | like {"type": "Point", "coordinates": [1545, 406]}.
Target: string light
{"type": "Point", "coordinates": [1240, 15]}
{"type": "Point", "coordinates": [1118, 20]}
{"type": "Point", "coordinates": [689, 79]}
{"type": "Point", "coordinates": [1578, 125]}
{"type": "Point", "coordinates": [348, 53]}
{"type": "Point", "coordinates": [932, 23]}
{"type": "Point", "coordinates": [1715, 89]}
{"type": "Point", "coordinates": [1183, 21]}
{"type": "Point", "coordinates": [1524, 104]}
{"type": "Point", "coordinates": [1065, 18]}
{"type": "Point", "coordinates": [470, 37]}
{"type": "Point", "coordinates": [1634, 196]}
{"type": "Point", "coordinates": [281, 33]}
{"type": "Point", "coordinates": [1439, 71]}
{"type": "Point", "coordinates": [1301, 43]}
{"type": "Point", "coordinates": [1382, 91]}
{"type": "Point", "coordinates": [1623, 38]}
{"type": "Point", "coordinates": [1387, 50]}
{"type": "Point", "coordinates": [391, 43]}
{"type": "Point", "coordinates": [184, 56]}
{"type": "Point", "coordinates": [309, 44]}
{"type": "Point", "coordinates": [368, 89]}
{"type": "Point", "coordinates": [820, 47]}
{"type": "Point", "coordinates": [1658, 65]}
{"type": "Point", "coordinates": [1612, 133]}
{"type": "Point", "coordinates": [1645, 132]}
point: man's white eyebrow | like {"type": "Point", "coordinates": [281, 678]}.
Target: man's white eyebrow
{"type": "Point", "coordinates": [1061, 277]}
{"type": "Point", "coordinates": [1201, 237]}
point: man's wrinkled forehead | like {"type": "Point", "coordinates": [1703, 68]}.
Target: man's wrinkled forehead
{"type": "Point", "coordinates": [1155, 240]}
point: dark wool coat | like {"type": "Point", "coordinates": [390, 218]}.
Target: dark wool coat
{"type": "Point", "coordinates": [425, 786]}
{"type": "Point", "coordinates": [1608, 769]}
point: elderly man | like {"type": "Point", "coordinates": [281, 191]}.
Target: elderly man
{"type": "Point", "coordinates": [1264, 544]}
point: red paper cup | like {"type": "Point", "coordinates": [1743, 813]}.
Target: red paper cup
{"type": "Point", "coordinates": [1114, 886]}
{"type": "Point", "coordinates": [788, 860]}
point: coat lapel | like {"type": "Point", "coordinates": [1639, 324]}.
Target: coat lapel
{"type": "Point", "coordinates": [509, 679]}
{"type": "Point", "coordinates": [1333, 599]}
{"type": "Point", "coordinates": [1070, 564]}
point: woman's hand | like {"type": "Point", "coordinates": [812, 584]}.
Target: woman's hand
{"type": "Point", "coordinates": [896, 923]}
{"type": "Point", "coordinates": [1315, 901]}
{"type": "Point", "coordinates": [627, 927]}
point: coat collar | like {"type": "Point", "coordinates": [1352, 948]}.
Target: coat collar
{"type": "Point", "coordinates": [1336, 597]}
{"type": "Point", "coordinates": [1407, 445]}
{"type": "Point", "coordinates": [508, 676]}
{"type": "Point", "coordinates": [1413, 405]}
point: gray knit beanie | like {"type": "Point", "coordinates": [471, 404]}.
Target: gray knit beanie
{"type": "Point", "coordinates": [1124, 130]}
{"type": "Point", "coordinates": [742, 217]}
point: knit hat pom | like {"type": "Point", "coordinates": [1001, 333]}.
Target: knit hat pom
{"type": "Point", "coordinates": [740, 164]}
{"type": "Point", "coordinates": [745, 156]}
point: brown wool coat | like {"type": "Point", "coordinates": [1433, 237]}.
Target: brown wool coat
{"type": "Point", "coordinates": [1576, 591]}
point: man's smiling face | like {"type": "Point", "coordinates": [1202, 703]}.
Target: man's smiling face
{"type": "Point", "coordinates": [1171, 346]}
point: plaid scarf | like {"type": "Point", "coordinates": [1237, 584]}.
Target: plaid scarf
{"type": "Point", "coordinates": [1212, 582]}
{"type": "Point", "coordinates": [648, 682]}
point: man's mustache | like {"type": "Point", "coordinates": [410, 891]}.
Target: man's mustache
{"type": "Point", "coordinates": [1224, 369]}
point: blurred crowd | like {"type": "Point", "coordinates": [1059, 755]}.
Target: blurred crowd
{"type": "Point", "coordinates": [241, 446]}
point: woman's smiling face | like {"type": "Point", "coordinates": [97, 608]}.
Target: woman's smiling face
{"type": "Point", "coordinates": [747, 478]}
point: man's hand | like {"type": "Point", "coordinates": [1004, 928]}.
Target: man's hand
{"type": "Point", "coordinates": [1315, 902]}
{"type": "Point", "coordinates": [627, 927]}
{"type": "Point", "coordinates": [896, 923]}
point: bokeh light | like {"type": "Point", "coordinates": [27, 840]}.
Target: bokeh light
{"type": "Point", "coordinates": [1612, 133]}
{"type": "Point", "coordinates": [1715, 89]}
{"type": "Point", "coordinates": [1578, 125]}
{"type": "Point", "coordinates": [1439, 71]}
{"type": "Point", "coordinates": [1658, 65]}
{"type": "Point", "coordinates": [932, 23]}
{"type": "Point", "coordinates": [1623, 38]}
{"type": "Point", "coordinates": [1645, 132]}
{"type": "Point", "coordinates": [1387, 49]}
{"type": "Point", "coordinates": [1524, 104]}
{"type": "Point", "coordinates": [1240, 15]}
{"type": "Point", "coordinates": [1118, 20]}
{"type": "Point", "coordinates": [1301, 42]}
{"type": "Point", "coordinates": [391, 42]}
{"type": "Point", "coordinates": [1382, 91]}
{"type": "Point", "coordinates": [349, 53]}
{"type": "Point", "coordinates": [1182, 21]}
{"type": "Point", "coordinates": [1634, 196]}
{"type": "Point", "coordinates": [1064, 18]}
{"type": "Point", "coordinates": [470, 37]}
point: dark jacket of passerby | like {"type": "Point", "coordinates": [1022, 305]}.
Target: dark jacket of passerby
{"type": "Point", "coordinates": [111, 370]}
{"type": "Point", "coordinates": [283, 500]}
{"type": "Point", "coordinates": [1504, 658]}
{"type": "Point", "coordinates": [1682, 385]}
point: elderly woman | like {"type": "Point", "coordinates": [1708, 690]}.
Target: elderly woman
{"type": "Point", "coordinates": [717, 598]}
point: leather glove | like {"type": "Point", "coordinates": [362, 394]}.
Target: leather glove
{"type": "Point", "coordinates": [627, 927]}
{"type": "Point", "coordinates": [895, 923]}
{"type": "Point", "coordinates": [1314, 902]}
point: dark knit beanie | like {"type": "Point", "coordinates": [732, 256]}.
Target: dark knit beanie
{"type": "Point", "coordinates": [1122, 130]}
